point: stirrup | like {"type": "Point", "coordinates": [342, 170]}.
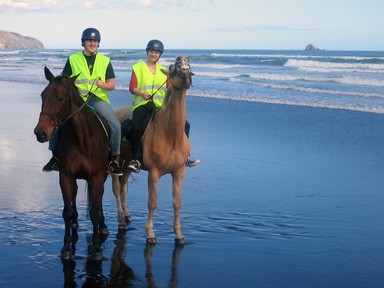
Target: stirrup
{"type": "Point", "coordinates": [192, 162]}
{"type": "Point", "coordinates": [135, 165]}
{"type": "Point", "coordinates": [114, 169]}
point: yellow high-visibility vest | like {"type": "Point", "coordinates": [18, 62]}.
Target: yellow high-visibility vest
{"type": "Point", "coordinates": [147, 82]}
{"type": "Point", "coordinates": [86, 82]}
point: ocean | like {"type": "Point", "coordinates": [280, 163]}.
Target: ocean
{"type": "Point", "coordinates": [350, 80]}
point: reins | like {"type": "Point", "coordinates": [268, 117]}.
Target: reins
{"type": "Point", "coordinates": [89, 96]}
{"type": "Point", "coordinates": [57, 120]}
{"type": "Point", "coordinates": [172, 74]}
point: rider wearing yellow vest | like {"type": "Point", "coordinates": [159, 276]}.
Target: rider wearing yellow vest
{"type": "Point", "coordinates": [148, 85]}
{"type": "Point", "coordinates": [153, 84]}
{"type": "Point", "coordinates": [95, 78]}
{"type": "Point", "coordinates": [86, 82]}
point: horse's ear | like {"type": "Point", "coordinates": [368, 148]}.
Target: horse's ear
{"type": "Point", "coordinates": [73, 78]}
{"type": "Point", "coordinates": [48, 74]}
{"type": "Point", "coordinates": [165, 71]}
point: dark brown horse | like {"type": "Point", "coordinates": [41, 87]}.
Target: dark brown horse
{"type": "Point", "coordinates": [165, 149]}
{"type": "Point", "coordinates": [83, 154]}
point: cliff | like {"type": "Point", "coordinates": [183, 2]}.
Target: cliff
{"type": "Point", "coordinates": [12, 40]}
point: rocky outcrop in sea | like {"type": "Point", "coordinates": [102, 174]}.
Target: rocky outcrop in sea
{"type": "Point", "coordinates": [312, 47]}
{"type": "Point", "coordinates": [12, 40]}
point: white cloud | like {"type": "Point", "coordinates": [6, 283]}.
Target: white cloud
{"type": "Point", "coordinates": [25, 6]}
{"type": "Point", "coordinates": [146, 2]}
{"type": "Point", "coordinates": [22, 6]}
{"type": "Point", "coordinates": [89, 4]}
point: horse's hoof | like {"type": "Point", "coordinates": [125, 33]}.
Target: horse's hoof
{"type": "Point", "coordinates": [122, 227]}
{"type": "Point", "coordinates": [97, 256]}
{"type": "Point", "coordinates": [179, 241]}
{"type": "Point", "coordinates": [152, 240]}
{"type": "Point", "coordinates": [104, 231]}
{"type": "Point", "coordinates": [128, 219]}
{"type": "Point", "coordinates": [66, 255]}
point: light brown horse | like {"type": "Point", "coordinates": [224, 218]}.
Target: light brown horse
{"type": "Point", "coordinates": [165, 149]}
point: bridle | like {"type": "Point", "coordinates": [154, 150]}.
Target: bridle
{"type": "Point", "coordinates": [184, 62]}
{"type": "Point", "coordinates": [58, 119]}
{"type": "Point", "coordinates": [176, 71]}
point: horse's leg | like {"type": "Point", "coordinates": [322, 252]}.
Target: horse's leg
{"type": "Point", "coordinates": [152, 203]}
{"type": "Point", "coordinates": [177, 181]}
{"type": "Point", "coordinates": [103, 228]}
{"type": "Point", "coordinates": [74, 222]}
{"type": "Point", "coordinates": [68, 188]}
{"type": "Point", "coordinates": [119, 187]}
{"type": "Point", "coordinates": [124, 198]}
{"type": "Point", "coordinates": [116, 191]}
{"type": "Point", "coordinates": [96, 190]}
{"type": "Point", "coordinates": [126, 153]}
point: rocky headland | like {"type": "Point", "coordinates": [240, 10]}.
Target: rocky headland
{"type": "Point", "coordinates": [12, 40]}
{"type": "Point", "coordinates": [312, 47]}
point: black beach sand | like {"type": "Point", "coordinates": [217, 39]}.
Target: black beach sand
{"type": "Point", "coordinates": [285, 196]}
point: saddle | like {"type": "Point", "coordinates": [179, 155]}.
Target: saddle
{"type": "Point", "coordinates": [103, 123]}
{"type": "Point", "coordinates": [127, 125]}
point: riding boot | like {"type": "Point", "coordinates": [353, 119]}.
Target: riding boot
{"type": "Point", "coordinates": [114, 166]}
{"type": "Point", "coordinates": [192, 162]}
{"type": "Point", "coordinates": [135, 164]}
{"type": "Point", "coordinates": [52, 163]}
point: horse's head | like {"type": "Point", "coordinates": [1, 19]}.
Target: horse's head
{"type": "Point", "coordinates": [181, 73]}
{"type": "Point", "coordinates": [55, 105]}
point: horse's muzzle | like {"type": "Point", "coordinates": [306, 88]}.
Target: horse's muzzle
{"type": "Point", "coordinates": [41, 135]}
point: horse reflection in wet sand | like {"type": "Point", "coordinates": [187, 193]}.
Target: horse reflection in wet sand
{"type": "Point", "coordinates": [165, 150]}
{"type": "Point", "coordinates": [83, 154]}
{"type": "Point", "coordinates": [119, 273]}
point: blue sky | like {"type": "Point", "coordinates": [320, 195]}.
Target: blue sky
{"type": "Point", "coordinates": [201, 24]}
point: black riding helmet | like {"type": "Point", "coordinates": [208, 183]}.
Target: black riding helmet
{"type": "Point", "coordinates": [90, 34]}
{"type": "Point", "coordinates": [155, 45]}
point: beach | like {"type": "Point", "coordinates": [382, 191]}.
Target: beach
{"type": "Point", "coordinates": [284, 196]}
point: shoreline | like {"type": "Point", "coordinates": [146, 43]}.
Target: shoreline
{"type": "Point", "coordinates": [245, 100]}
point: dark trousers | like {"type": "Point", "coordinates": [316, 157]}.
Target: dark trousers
{"type": "Point", "coordinates": [140, 119]}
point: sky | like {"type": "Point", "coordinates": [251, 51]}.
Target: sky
{"type": "Point", "coordinates": [201, 24]}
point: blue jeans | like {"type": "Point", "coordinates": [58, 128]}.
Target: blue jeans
{"type": "Point", "coordinates": [104, 110]}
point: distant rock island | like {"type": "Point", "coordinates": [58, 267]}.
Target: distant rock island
{"type": "Point", "coordinates": [312, 47]}
{"type": "Point", "coordinates": [12, 40]}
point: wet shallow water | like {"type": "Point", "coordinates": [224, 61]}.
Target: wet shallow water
{"type": "Point", "coordinates": [297, 203]}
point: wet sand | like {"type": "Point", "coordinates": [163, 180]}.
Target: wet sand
{"type": "Point", "coordinates": [285, 196]}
